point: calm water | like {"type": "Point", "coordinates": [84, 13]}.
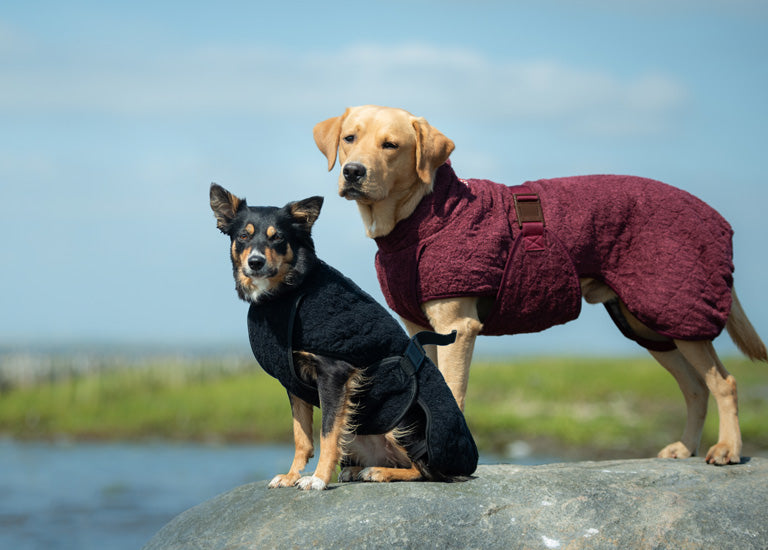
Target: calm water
{"type": "Point", "coordinates": [114, 496]}
{"type": "Point", "coordinates": [117, 496]}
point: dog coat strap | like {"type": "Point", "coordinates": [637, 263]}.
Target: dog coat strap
{"type": "Point", "coordinates": [447, 444]}
{"type": "Point", "coordinates": [292, 319]}
{"type": "Point", "coordinates": [271, 333]}
{"type": "Point", "coordinates": [612, 306]}
{"type": "Point", "coordinates": [429, 338]}
{"type": "Point", "coordinates": [398, 383]}
{"type": "Point", "coordinates": [415, 353]}
{"type": "Point", "coordinates": [419, 449]}
{"type": "Point", "coordinates": [300, 388]}
{"type": "Point", "coordinates": [530, 218]}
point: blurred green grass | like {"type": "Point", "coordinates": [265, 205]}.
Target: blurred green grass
{"type": "Point", "coordinates": [566, 407]}
{"type": "Point", "coordinates": [599, 407]}
{"type": "Point", "coordinates": [156, 400]}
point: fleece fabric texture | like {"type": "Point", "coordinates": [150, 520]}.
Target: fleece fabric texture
{"type": "Point", "coordinates": [330, 315]}
{"type": "Point", "coordinates": [664, 252]}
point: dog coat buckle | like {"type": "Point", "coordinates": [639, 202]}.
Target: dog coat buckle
{"type": "Point", "coordinates": [530, 220]}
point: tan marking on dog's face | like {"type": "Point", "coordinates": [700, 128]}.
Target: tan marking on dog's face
{"type": "Point", "coordinates": [241, 259]}
{"type": "Point", "coordinates": [278, 256]}
{"type": "Point", "coordinates": [243, 256]}
{"type": "Point", "coordinates": [281, 262]}
{"type": "Point", "coordinates": [384, 141]}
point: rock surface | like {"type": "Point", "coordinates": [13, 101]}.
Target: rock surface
{"type": "Point", "coordinates": [651, 503]}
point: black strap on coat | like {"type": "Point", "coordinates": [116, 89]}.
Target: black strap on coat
{"type": "Point", "coordinates": [410, 362]}
{"type": "Point", "coordinates": [309, 392]}
{"type": "Point", "coordinates": [415, 355]}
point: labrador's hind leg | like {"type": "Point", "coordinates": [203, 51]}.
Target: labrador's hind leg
{"type": "Point", "coordinates": [722, 385]}
{"type": "Point", "coordinates": [696, 398]}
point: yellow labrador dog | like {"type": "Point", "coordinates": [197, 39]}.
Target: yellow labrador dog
{"type": "Point", "coordinates": [483, 258]}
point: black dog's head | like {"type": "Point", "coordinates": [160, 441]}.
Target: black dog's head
{"type": "Point", "coordinates": [272, 248]}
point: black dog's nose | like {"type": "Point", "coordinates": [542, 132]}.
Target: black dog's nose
{"type": "Point", "coordinates": [256, 262]}
{"type": "Point", "coordinates": [353, 172]}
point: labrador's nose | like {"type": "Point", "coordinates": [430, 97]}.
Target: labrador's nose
{"type": "Point", "coordinates": [353, 172]}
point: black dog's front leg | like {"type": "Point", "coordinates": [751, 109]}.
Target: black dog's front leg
{"type": "Point", "coordinates": [336, 383]}
{"type": "Point", "coordinates": [302, 441]}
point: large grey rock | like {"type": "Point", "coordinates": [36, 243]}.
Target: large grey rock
{"type": "Point", "coordinates": [614, 504]}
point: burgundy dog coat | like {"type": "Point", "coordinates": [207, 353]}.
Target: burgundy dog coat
{"type": "Point", "coordinates": [665, 253]}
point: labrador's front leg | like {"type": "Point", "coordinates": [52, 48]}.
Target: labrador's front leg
{"type": "Point", "coordinates": [459, 314]}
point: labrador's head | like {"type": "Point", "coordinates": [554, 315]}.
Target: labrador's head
{"type": "Point", "coordinates": [383, 152]}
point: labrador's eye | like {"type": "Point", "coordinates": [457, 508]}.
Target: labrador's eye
{"type": "Point", "coordinates": [349, 138]}
{"type": "Point", "coordinates": [390, 145]}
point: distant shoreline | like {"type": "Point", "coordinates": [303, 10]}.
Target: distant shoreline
{"type": "Point", "coordinates": [578, 408]}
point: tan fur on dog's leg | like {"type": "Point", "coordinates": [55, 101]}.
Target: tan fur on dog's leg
{"type": "Point", "coordinates": [696, 399]}
{"type": "Point", "coordinates": [330, 455]}
{"type": "Point", "coordinates": [384, 475]}
{"type": "Point", "coordinates": [702, 355]}
{"type": "Point", "coordinates": [302, 440]}
{"type": "Point", "coordinates": [331, 443]}
{"type": "Point", "coordinates": [459, 314]}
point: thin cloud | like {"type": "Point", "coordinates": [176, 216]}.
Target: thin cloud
{"type": "Point", "coordinates": [262, 82]}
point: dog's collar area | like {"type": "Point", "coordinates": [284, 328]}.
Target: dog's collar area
{"type": "Point", "coordinates": [447, 193]}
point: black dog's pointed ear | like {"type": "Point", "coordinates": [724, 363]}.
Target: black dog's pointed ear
{"type": "Point", "coordinates": [225, 206]}
{"type": "Point", "coordinates": [305, 212]}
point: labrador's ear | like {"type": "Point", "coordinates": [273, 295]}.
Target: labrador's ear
{"type": "Point", "coordinates": [432, 149]}
{"type": "Point", "coordinates": [327, 134]}
{"type": "Point", "coordinates": [225, 206]}
{"type": "Point", "coordinates": [305, 212]}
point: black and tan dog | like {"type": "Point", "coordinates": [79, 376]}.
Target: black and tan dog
{"type": "Point", "coordinates": [386, 410]}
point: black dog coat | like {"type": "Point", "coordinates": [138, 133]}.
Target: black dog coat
{"type": "Point", "coordinates": [329, 315]}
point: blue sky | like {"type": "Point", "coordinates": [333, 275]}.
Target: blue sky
{"type": "Point", "coordinates": [116, 116]}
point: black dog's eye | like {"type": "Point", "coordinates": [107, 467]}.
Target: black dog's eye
{"type": "Point", "coordinates": [275, 238]}
{"type": "Point", "coordinates": [389, 145]}
{"type": "Point", "coordinates": [243, 236]}
{"type": "Point", "coordinates": [349, 139]}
